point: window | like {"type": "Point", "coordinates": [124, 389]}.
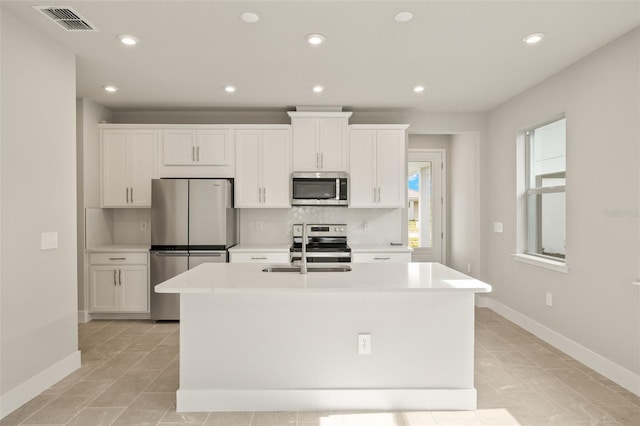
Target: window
{"type": "Point", "coordinates": [545, 179]}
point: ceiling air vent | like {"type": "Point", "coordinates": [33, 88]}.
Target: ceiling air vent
{"type": "Point", "coordinates": [67, 18]}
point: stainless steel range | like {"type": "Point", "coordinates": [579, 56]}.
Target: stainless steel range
{"type": "Point", "coordinates": [327, 243]}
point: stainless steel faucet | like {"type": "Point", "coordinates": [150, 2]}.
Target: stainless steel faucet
{"type": "Point", "coordinates": [303, 261]}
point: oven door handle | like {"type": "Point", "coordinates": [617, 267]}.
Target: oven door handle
{"type": "Point", "coordinates": [323, 254]}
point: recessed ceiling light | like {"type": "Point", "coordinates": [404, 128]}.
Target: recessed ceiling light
{"type": "Point", "coordinates": [403, 16]}
{"type": "Point", "coordinates": [229, 89]}
{"type": "Point", "coordinates": [418, 89]}
{"type": "Point", "coordinates": [249, 17]}
{"type": "Point", "coordinates": [318, 89]}
{"type": "Point", "coordinates": [533, 38]}
{"type": "Point", "coordinates": [315, 39]}
{"type": "Point", "coordinates": [110, 88]}
{"type": "Point", "coordinates": [128, 40]}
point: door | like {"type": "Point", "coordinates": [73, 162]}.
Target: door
{"type": "Point", "coordinates": [305, 144]}
{"type": "Point", "coordinates": [208, 202]}
{"type": "Point", "coordinates": [170, 212]}
{"type": "Point", "coordinates": [115, 173]}
{"type": "Point", "coordinates": [213, 147]}
{"type": "Point", "coordinates": [426, 204]}
{"type": "Point", "coordinates": [276, 169]}
{"type": "Point", "coordinates": [390, 168]}
{"type": "Point", "coordinates": [179, 147]}
{"type": "Point", "coordinates": [165, 265]}
{"type": "Point", "coordinates": [134, 293]}
{"type": "Point", "coordinates": [363, 166]}
{"type": "Point", "coordinates": [141, 166]}
{"type": "Point", "coordinates": [103, 291]}
{"type": "Point", "coordinates": [248, 191]}
{"type": "Point", "coordinates": [332, 147]}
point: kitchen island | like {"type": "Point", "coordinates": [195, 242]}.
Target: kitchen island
{"type": "Point", "coordinates": [270, 341]}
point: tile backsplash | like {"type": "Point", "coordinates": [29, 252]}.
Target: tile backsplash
{"type": "Point", "coordinates": [273, 226]}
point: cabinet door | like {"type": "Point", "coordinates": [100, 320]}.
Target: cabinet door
{"type": "Point", "coordinates": [179, 147]}
{"type": "Point", "coordinates": [381, 257]}
{"type": "Point", "coordinates": [214, 147]}
{"type": "Point", "coordinates": [390, 165]}
{"type": "Point", "coordinates": [276, 168]}
{"type": "Point", "coordinates": [247, 183]}
{"type": "Point", "coordinates": [134, 288]}
{"type": "Point", "coordinates": [141, 163]}
{"type": "Point", "coordinates": [332, 144]}
{"type": "Point", "coordinates": [103, 289]}
{"type": "Point", "coordinates": [115, 179]}
{"type": "Point", "coordinates": [362, 171]}
{"type": "Point", "coordinates": [305, 144]}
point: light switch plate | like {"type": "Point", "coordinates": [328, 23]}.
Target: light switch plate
{"type": "Point", "coordinates": [497, 227]}
{"type": "Point", "coordinates": [48, 240]}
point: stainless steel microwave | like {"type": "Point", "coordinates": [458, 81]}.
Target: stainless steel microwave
{"type": "Point", "coordinates": [319, 189]}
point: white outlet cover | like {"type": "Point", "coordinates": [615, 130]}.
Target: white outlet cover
{"type": "Point", "coordinates": [497, 227]}
{"type": "Point", "coordinates": [48, 240]}
{"type": "Point", "coordinates": [364, 344]}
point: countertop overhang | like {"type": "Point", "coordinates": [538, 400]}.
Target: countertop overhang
{"type": "Point", "coordinates": [364, 277]}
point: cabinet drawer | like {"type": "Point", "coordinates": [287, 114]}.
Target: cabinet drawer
{"type": "Point", "coordinates": [257, 257]}
{"type": "Point", "coordinates": [381, 257]}
{"type": "Point", "coordinates": [118, 258]}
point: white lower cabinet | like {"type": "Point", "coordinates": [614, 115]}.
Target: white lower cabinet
{"type": "Point", "coordinates": [118, 282]}
{"type": "Point", "coordinates": [259, 257]}
{"type": "Point", "coordinates": [381, 257]}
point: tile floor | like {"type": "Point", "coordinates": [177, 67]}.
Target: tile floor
{"type": "Point", "coordinates": [129, 376]}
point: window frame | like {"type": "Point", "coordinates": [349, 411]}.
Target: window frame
{"type": "Point", "coordinates": [538, 190]}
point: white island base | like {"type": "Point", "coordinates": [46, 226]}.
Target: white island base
{"type": "Point", "coordinates": [281, 346]}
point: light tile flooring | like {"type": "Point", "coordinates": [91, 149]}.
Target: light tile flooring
{"type": "Point", "coordinates": [129, 376]}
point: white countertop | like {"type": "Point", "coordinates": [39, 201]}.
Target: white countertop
{"type": "Point", "coordinates": [263, 248]}
{"type": "Point", "coordinates": [126, 248]}
{"type": "Point", "coordinates": [364, 277]}
{"type": "Point", "coordinates": [379, 248]}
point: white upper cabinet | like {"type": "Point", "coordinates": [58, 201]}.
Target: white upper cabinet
{"type": "Point", "coordinates": [203, 151]}
{"type": "Point", "coordinates": [377, 166]}
{"type": "Point", "coordinates": [127, 166]}
{"type": "Point", "coordinates": [320, 141]}
{"type": "Point", "coordinates": [263, 167]}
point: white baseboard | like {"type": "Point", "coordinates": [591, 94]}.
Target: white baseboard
{"type": "Point", "coordinates": [34, 386]}
{"type": "Point", "coordinates": [198, 400]}
{"type": "Point", "coordinates": [83, 316]}
{"type": "Point", "coordinates": [614, 372]}
{"type": "Point", "coordinates": [482, 301]}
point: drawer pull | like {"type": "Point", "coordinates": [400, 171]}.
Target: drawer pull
{"type": "Point", "coordinates": [117, 258]}
{"type": "Point", "coordinates": [381, 258]}
{"type": "Point", "coordinates": [258, 258]}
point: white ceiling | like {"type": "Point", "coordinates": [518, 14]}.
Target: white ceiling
{"type": "Point", "coordinates": [469, 55]}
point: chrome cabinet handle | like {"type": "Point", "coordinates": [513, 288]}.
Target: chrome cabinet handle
{"type": "Point", "coordinates": [117, 258]}
{"type": "Point", "coordinates": [198, 154]}
{"type": "Point", "coordinates": [132, 194]}
{"type": "Point", "coordinates": [381, 258]}
{"type": "Point", "coordinates": [258, 258]}
{"type": "Point", "coordinates": [193, 154]}
{"type": "Point", "coordinates": [127, 195]}
{"type": "Point", "coordinates": [120, 276]}
{"type": "Point", "coordinates": [114, 277]}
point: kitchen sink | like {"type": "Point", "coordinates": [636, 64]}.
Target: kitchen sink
{"type": "Point", "coordinates": [295, 268]}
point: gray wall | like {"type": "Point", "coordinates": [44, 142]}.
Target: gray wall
{"type": "Point", "coordinates": [594, 304]}
{"type": "Point", "coordinates": [38, 190]}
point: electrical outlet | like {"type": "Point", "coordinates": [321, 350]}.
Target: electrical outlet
{"type": "Point", "coordinates": [259, 225]}
{"type": "Point", "coordinates": [48, 240]}
{"type": "Point", "coordinates": [549, 299]}
{"type": "Point", "coordinates": [498, 227]}
{"type": "Point", "coordinates": [143, 225]}
{"type": "Point", "coordinates": [364, 344]}
{"type": "Point", "coordinates": [365, 226]}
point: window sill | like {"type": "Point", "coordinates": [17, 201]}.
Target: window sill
{"type": "Point", "coordinates": [541, 262]}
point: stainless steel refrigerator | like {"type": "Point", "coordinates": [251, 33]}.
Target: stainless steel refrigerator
{"type": "Point", "coordinates": [192, 221]}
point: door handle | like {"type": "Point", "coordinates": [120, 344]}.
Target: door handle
{"type": "Point", "coordinates": [193, 154]}
{"type": "Point", "coordinates": [171, 254]}
{"type": "Point", "coordinates": [132, 194]}
{"type": "Point", "coordinates": [120, 276]}
{"type": "Point", "coordinates": [127, 195]}
{"type": "Point", "coordinates": [117, 258]}
{"type": "Point", "coordinates": [114, 277]}
{"type": "Point", "coordinates": [381, 258]}
{"type": "Point", "coordinates": [198, 154]}
{"type": "Point", "coordinates": [258, 258]}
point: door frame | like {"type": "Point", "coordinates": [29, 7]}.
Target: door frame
{"type": "Point", "coordinates": [405, 217]}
